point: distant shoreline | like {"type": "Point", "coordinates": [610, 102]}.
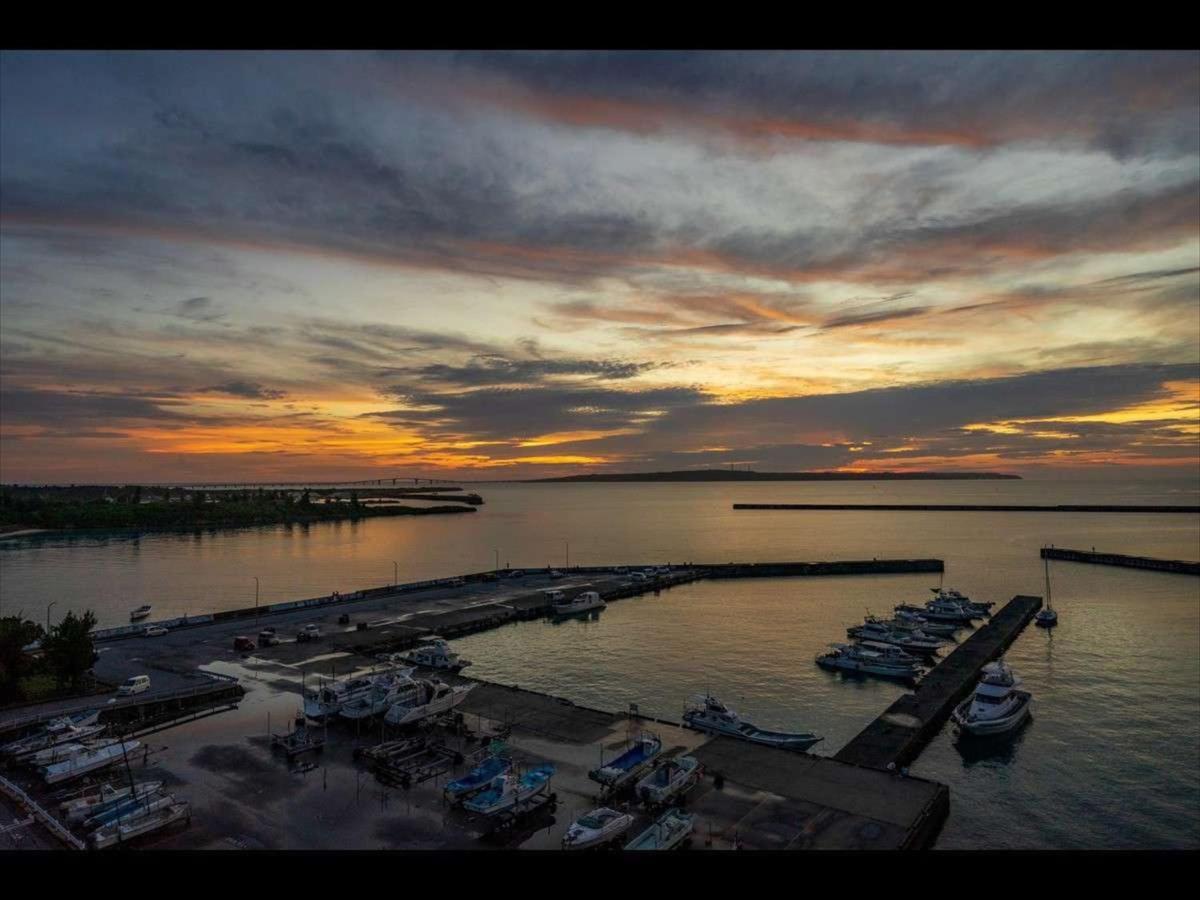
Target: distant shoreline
{"type": "Point", "coordinates": [724, 475]}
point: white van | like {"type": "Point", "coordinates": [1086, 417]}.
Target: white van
{"type": "Point", "coordinates": [134, 685]}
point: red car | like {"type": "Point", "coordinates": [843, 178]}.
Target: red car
{"type": "Point", "coordinates": [241, 644]}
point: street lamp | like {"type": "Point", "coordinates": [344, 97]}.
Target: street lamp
{"type": "Point", "coordinates": [52, 602]}
{"type": "Point", "coordinates": [255, 577]}
{"type": "Point", "coordinates": [497, 552]}
{"type": "Point", "coordinates": [568, 543]}
{"type": "Point", "coordinates": [395, 573]}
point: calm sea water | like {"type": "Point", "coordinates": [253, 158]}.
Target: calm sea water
{"type": "Point", "coordinates": [1111, 758]}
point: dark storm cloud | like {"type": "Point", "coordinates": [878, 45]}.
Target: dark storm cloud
{"type": "Point", "coordinates": [53, 408]}
{"type": "Point", "coordinates": [1125, 102]}
{"type": "Point", "coordinates": [250, 390]}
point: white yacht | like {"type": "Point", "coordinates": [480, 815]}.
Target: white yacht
{"type": "Point", "coordinates": [86, 761]}
{"type": "Point", "coordinates": [329, 698]}
{"type": "Point", "coordinates": [435, 654]}
{"type": "Point", "coordinates": [599, 827]}
{"type": "Point", "coordinates": [425, 698]}
{"type": "Point", "coordinates": [709, 714]}
{"type": "Point", "coordinates": [915, 621]}
{"type": "Point", "coordinates": [916, 642]}
{"type": "Point", "coordinates": [140, 613]}
{"type": "Point", "coordinates": [871, 658]}
{"type": "Point", "coordinates": [581, 603]}
{"type": "Point", "coordinates": [388, 688]}
{"type": "Point", "coordinates": [996, 706]}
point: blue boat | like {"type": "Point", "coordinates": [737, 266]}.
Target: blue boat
{"type": "Point", "coordinates": [629, 763]}
{"type": "Point", "coordinates": [477, 778]}
{"type": "Point", "coordinates": [508, 790]}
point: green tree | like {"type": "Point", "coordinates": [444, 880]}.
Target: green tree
{"type": "Point", "coordinates": [15, 633]}
{"type": "Point", "coordinates": [304, 499]}
{"type": "Point", "coordinates": [69, 648]}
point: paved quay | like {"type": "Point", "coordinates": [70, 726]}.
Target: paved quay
{"type": "Point", "coordinates": [905, 727]}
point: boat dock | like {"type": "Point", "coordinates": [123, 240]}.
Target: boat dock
{"type": "Point", "coordinates": [973, 507]}
{"type": "Point", "coordinates": [906, 726]}
{"type": "Point", "coordinates": [1178, 566]}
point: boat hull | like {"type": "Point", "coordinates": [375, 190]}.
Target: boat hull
{"type": "Point", "coordinates": [853, 667]}
{"type": "Point", "coordinates": [990, 727]}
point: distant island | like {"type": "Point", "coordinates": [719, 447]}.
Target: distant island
{"type": "Point", "coordinates": [169, 509]}
{"type": "Point", "coordinates": [746, 475]}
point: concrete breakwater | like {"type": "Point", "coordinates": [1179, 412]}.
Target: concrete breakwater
{"type": "Point", "coordinates": [905, 727]}
{"type": "Point", "coordinates": [1179, 566]}
{"type": "Point", "coordinates": [972, 507]}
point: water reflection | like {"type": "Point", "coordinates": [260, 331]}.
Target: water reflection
{"type": "Point", "coordinates": [998, 749]}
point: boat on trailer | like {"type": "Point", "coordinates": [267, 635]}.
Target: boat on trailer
{"type": "Point", "coordinates": [129, 809]}
{"type": "Point", "coordinates": [710, 715]}
{"type": "Point", "coordinates": [671, 779]}
{"type": "Point", "coordinates": [670, 831]}
{"type": "Point", "coordinates": [427, 698]}
{"type": "Point", "coordinates": [509, 789]}
{"type": "Point", "coordinates": [629, 764]}
{"type": "Point", "coordinates": [106, 798]}
{"type": "Point", "coordinates": [119, 833]}
{"type": "Point", "coordinates": [478, 778]}
{"type": "Point", "coordinates": [597, 828]}
{"type": "Point", "coordinates": [88, 761]}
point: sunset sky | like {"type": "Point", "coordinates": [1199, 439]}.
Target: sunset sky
{"type": "Point", "coordinates": [505, 265]}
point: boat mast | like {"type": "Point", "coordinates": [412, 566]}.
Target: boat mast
{"type": "Point", "coordinates": [1046, 560]}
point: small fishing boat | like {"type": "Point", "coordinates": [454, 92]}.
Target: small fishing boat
{"type": "Point", "coordinates": [597, 828]}
{"type": "Point", "coordinates": [871, 658]}
{"type": "Point", "coordinates": [75, 720]}
{"type": "Point", "coordinates": [672, 778]}
{"type": "Point", "coordinates": [120, 832]}
{"type": "Point", "coordinates": [426, 698]}
{"type": "Point", "coordinates": [328, 699]}
{"type": "Point", "coordinates": [629, 763]}
{"type": "Point", "coordinates": [1047, 617]}
{"type": "Point", "coordinates": [507, 790]}
{"type": "Point", "coordinates": [436, 654]}
{"type": "Point", "coordinates": [88, 761]}
{"type": "Point", "coordinates": [996, 706]}
{"type": "Point", "coordinates": [580, 604]}
{"type": "Point", "coordinates": [709, 714]}
{"type": "Point", "coordinates": [670, 830]}
{"type": "Point", "coordinates": [478, 778]}
{"type": "Point", "coordinates": [140, 613]}
{"type": "Point", "coordinates": [81, 808]}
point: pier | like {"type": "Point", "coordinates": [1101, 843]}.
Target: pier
{"type": "Point", "coordinates": [972, 507]}
{"type": "Point", "coordinates": [1178, 566]}
{"type": "Point", "coordinates": [905, 727]}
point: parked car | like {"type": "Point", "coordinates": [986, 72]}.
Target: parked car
{"type": "Point", "coordinates": [154, 631]}
{"type": "Point", "coordinates": [308, 633]}
{"type": "Point", "coordinates": [456, 582]}
{"type": "Point", "coordinates": [637, 576]}
{"type": "Point", "coordinates": [134, 685]}
{"type": "Point", "coordinates": [554, 573]}
{"type": "Point", "coordinates": [517, 573]}
{"type": "Point", "coordinates": [268, 638]}
{"type": "Point", "coordinates": [243, 644]}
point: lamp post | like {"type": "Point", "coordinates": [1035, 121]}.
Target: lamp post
{"type": "Point", "coordinates": [255, 577]}
{"type": "Point", "coordinates": [568, 543]}
{"type": "Point", "coordinates": [52, 602]}
{"type": "Point", "coordinates": [497, 552]}
{"type": "Point", "coordinates": [395, 573]}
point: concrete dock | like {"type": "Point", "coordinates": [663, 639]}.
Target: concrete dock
{"type": "Point", "coordinates": [973, 507]}
{"type": "Point", "coordinates": [1177, 566]}
{"type": "Point", "coordinates": [903, 730]}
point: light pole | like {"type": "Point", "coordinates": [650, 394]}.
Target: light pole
{"type": "Point", "coordinates": [568, 543]}
{"type": "Point", "coordinates": [255, 577]}
{"type": "Point", "coordinates": [497, 552]}
{"type": "Point", "coordinates": [52, 602]}
{"type": "Point", "coordinates": [395, 573]}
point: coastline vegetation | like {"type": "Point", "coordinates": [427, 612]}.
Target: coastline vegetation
{"type": "Point", "coordinates": [161, 508]}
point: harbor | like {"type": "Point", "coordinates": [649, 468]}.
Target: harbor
{"type": "Point", "coordinates": [1177, 566]}
{"type": "Point", "coordinates": [761, 793]}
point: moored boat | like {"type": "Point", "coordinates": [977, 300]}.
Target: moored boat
{"type": "Point", "coordinates": [597, 828]}
{"type": "Point", "coordinates": [140, 613]}
{"type": "Point", "coordinates": [996, 705]}
{"type": "Point", "coordinates": [70, 734]}
{"type": "Point", "coordinates": [915, 642]}
{"type": "Point", "coordinates": [709, 714]}
{"type": "Point", "coordinates": [582, 603]}
{"type": "Point", "coordinates": [388, 689]}
{"type": "Point", "coordinates": [1047, 617]}
{"type": "Point", "coordinates": [87, 761]}
{"type": "Point", "coordinates": [60, 752]}
{"type": "Point", "coordinates": [435, 654]}
{"type": "Point", "coordinates": [120, 832]}
{"type": "Point", "coordinates": [670, 831]}
{"type": "Point", "coordinates": [871, 658]}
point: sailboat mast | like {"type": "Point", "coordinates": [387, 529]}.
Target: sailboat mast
{"type": "Point", "coordinates": [1046, 560]}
